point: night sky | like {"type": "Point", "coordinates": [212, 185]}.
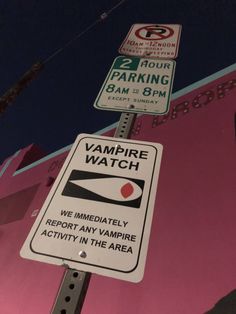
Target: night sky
{"type": "Point", "coordinates": [58, 104]}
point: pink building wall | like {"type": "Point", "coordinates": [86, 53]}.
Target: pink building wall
{"type": "Point", "coordinates": [191, 258]}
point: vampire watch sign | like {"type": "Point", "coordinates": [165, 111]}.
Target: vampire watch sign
{"type": "Point", "coordinates": [97, 216]}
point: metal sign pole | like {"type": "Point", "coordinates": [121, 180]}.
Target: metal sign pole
{"type": "Point", "coordinates": [72, 292]}
{"type": "Point", "coordinates": [75, 283]}
{"type": "Point", "coordinates": [125, 125]}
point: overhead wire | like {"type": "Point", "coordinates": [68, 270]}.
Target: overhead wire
{"type": "Point", "coordinates": [101, 18]}
{"type": "Point", "coordinates": [10, 95]}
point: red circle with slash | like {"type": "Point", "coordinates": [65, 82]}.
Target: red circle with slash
{"type": "Point", "coordinates": [154, 32]}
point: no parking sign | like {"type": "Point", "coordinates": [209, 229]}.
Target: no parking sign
{"type": "Point", "coordinates": [152, 40]}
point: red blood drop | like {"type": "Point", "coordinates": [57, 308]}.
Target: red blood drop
{"type": "Point", "coordinates": [126, 190]}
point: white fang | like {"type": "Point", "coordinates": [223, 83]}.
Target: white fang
{"type": "Point", "coordinates": [117, 189]}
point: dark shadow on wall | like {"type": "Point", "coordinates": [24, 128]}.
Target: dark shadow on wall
{"type": "Point", "coordinates": [14, 206]}
{"type": "Point", "coordinates": [226, 305]}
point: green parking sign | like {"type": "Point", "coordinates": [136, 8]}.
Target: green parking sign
{"type": "Point", "coordinates": [137, 85]}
